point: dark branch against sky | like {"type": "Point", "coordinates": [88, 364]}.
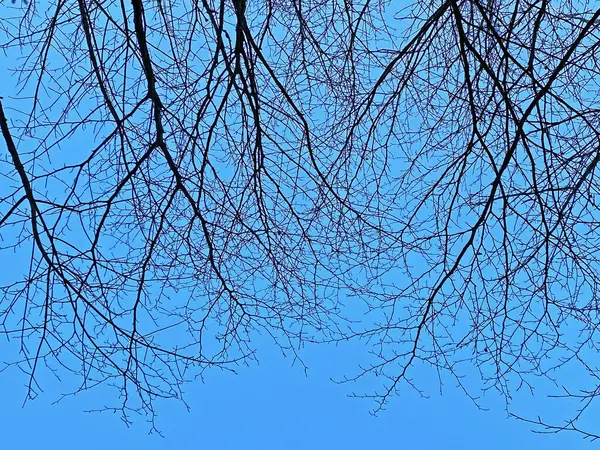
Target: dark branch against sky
{"type": "Point", "coordinates": [186, 180]}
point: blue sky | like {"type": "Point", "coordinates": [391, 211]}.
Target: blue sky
{"type": "Point", "coordinates": [270, 406]}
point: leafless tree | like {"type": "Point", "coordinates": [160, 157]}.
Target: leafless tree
{"type": "Point", "coordinates": [182, 176]}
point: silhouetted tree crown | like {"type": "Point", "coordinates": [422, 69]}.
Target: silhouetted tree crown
{"type": "Point", "coordinates": [182, 176]}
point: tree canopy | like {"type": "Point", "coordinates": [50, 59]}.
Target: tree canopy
{"type": "Point", "coordinates": [181, 176]}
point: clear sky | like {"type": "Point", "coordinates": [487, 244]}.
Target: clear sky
{"type": "Point", "coordinates": [270, 406]}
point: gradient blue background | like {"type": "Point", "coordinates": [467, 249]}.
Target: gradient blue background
{"type": "Point", "coordinates": [270, 406]}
